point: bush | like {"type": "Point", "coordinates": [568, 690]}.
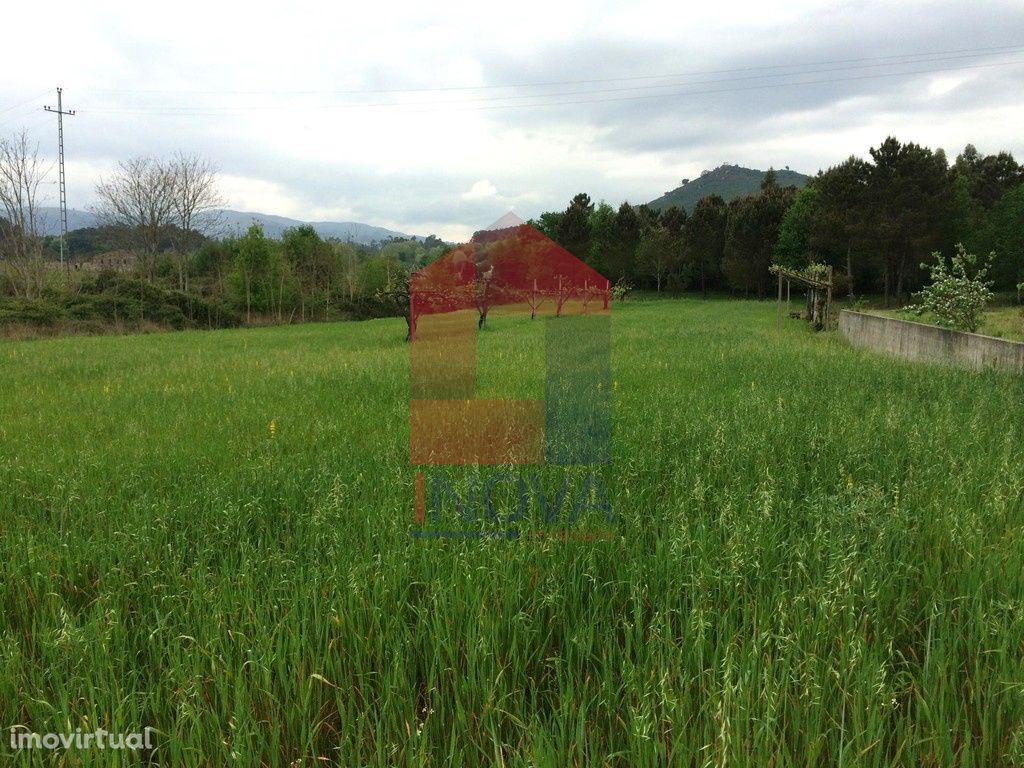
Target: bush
{"type": "Point", "coordinates": [113, 301]}
{"type": "Point", "coordinates": [621, 290]}
{"type": "Point", "coordinates": [42, 313]}
{"type": "Point", "coordinates": [958, 292]}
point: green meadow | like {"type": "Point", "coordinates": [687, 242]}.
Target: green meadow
{"type": "Point", "coordinates": [817, 556]}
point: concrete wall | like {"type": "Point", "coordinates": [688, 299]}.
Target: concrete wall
{"type": "Point", "coordinates": [916, 341]}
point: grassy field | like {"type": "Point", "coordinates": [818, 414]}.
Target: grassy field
{"type": "Point", "coordinates": [818, 556]}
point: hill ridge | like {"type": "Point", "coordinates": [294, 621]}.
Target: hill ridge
{"type": "Point", "coordinates": [236, 222]}
{"type": "Point", "coordinates": [728, 181]}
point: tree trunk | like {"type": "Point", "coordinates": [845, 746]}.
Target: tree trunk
{"type": "Point", "coordinates": [849, 268]}
{"type": "Point", "coordinates": [901, 272]}
{"type": "Point", "coordinates": [248, 300]}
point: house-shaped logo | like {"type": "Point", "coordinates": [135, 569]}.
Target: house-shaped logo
{"type": "Point", "coordinates": [512, 266]}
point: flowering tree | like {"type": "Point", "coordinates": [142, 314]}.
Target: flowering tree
{"type": "Point", "coordinates": [958, 291]}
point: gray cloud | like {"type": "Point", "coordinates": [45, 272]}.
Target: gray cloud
{"type": "Point", "coordinates": [303, 114]}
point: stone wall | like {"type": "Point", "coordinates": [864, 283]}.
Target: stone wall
{"type": "Point", "coordinates": [917, 341]}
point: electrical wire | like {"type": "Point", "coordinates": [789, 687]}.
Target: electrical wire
{"type": "Point", "coordinates": [907, 58]}
{"type": "Point", "coordinates": [545, 100]}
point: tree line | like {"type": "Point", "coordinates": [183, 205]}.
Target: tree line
{"type": "Point", "coordinates": [161, 254]}
{"type": "Point", "coordinates": [305, 277]}
{"type": "Point", "coordinates": [876, 221]}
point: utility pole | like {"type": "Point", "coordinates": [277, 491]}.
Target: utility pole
{"type": "Point", "coordinates": [63, 185]}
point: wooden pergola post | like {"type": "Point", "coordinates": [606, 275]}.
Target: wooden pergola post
{"type": "Point", "coordinates": [818, 299]}
{"type": "Point", "coordinates": [828, 301]}
{"type": "Point", "coordinates": [778, 306]}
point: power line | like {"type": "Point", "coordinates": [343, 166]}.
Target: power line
{"type": "Point", "coordinates": [907, 58]}
{"type": "Point", "coordinates": [539, 99]}
{"type": "Point", "coordinates": [23, 103]}
{"type": "Point", "coordinates": [765, 86]}
{"type": "Point", "coordinates": [63, 185]}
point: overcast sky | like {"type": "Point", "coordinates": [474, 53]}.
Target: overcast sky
{"type": "Point", "coordinates": [439, 117]}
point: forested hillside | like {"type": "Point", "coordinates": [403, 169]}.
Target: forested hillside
{"type": "Point", "coordinates": [728, 182]}
{"type": "Point", "coordinates": [876, 220]}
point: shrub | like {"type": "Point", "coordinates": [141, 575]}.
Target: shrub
{"type": "Point", "coordinates": [115, 302]}
{"type": "Point", "coordinates": [621, 290]}
{"type": "Point", "coordinates": [41, 313]}
{"type": "Point", "coordinates": [958, 291]}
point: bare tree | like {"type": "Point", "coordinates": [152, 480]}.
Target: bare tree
{"type": "Point", "coordinates": [140, 197]}
{"type": "Point", "coordinates": [483, 292]}
{"type": "Point", "coordinates": [534, 298]}
{"type": "Point", "coordinates": [21, 248]}
{"type": "Point", "coordinates": [350, 278]}
{"type": "Point", "coordinates": [562, 294]}
{"type": "Point", "coordinates": [195, 204]}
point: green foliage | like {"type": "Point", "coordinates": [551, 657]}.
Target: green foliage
{"type": "Point", "coordinates": [263, 280]}
{"type": "Point", "coordinates": [989, 177]}
{"type": "Point", "coordinates": [621, 290]}
{"type": "Point", "coordinates": [705, 241]}
{"type": "Point", "coordinates": [574, 227]}
{"type": "Point", "coordinates": [621, 261]}
{"type": "Point", "coordinates": [394, 296]}
{"type": "Point", "coordinates": [110, 300]}
{"type": "Point", "coordinates": [41, 312]}
{"type": "Point", "coordinates": [816, 270]}
{"type": "Point", "coordinates": [910, 199]}
{"type": "Point", "coordinates": [548, 224]}
{"type": "Point", "coordinates": [751, 232]}
{"type": "Point", "coordinates": [957, 293]}
{"type": "Point", "coordinates": [793, 246]}
{"type": "Point", "coordinates": [317, 268]}
{"type": "Point", "coordinates": [841, 230]}
{"type": "Point", "coordinates": [872, 221]}
{"type": "Point", "coordinates": [674, 220]}
{"type": "Point", "coordinates": [1004, 233]}
{"type": "Point", "coordinates": [377, 274]}
{"type": "Point", "coordinates": [729, 182]}
{"type": "Point", "coordinates": [658, 254]}
{"type": "Point", "coordinates": [253, 251]}
{"type": "Point", "coordinates": [602, 226]}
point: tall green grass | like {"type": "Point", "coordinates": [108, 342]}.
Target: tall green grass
{"type": "Point", "coordinates": [818, 556]}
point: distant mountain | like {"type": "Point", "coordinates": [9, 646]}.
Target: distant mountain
{"type": "Point", "coordinates": [727, 181]}
{"type": "Point", "coordinates": [507, 221]}
{"type": "Point", "coordinates": [236, 222]}
{"type": "Point", "coordinates": [49, 218]}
